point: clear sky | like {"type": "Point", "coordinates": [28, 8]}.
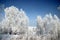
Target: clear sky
{"type": "Point", "coordinates": [33, 8]}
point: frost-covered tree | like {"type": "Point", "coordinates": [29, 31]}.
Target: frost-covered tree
{"type": "Point", "coordinates": [15, 21]}
{"type": "Point", "coordinates": [49, 25]}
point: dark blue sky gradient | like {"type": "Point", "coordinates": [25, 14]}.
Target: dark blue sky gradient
{"type": "Point", "coordinates": [33, 8]}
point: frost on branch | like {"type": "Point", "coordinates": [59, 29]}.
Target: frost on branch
{"type": "Point", "coordinates": [15, 26]}
{"type": "Point", "coordinates": [48, 26]}
{"type": "Point", "coordinates": [15, 21]}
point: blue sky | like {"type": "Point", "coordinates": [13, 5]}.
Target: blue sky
{"type": "Point", "coordinates": [33, 8]}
